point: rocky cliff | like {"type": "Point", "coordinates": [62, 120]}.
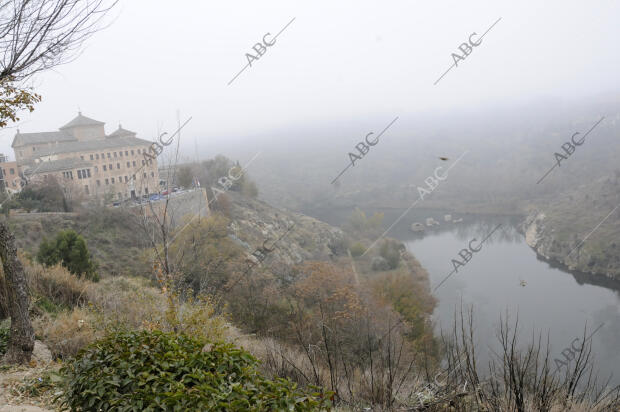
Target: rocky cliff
{"type": "Point", "coordinates": [591, 252]}
{"type": "Point", "coordinates": [285, 238]}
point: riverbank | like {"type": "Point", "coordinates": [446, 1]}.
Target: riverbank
{"type": "Point", "coordinates": [550, 240]}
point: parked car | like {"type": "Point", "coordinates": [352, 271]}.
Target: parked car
{"type": "Point", "coordinates": [155, 197]}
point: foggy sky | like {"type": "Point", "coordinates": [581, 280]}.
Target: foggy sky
{"type": "Point", "coordinates": [339, 61]}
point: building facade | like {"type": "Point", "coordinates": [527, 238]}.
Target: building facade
{"type": "Point", "coordinates": [88, 163]}
{"type": "Point", "coordinates": [10, 175]}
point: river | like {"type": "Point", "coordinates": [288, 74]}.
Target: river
{"type": "Point", "coordinates": [506, 278]}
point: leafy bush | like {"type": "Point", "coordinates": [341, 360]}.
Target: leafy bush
{"type": "Point", "coordinates": [390, 251]}
{"type": "Point", "coordinates": [137, 371]}
{"type": "Point", "coordinates": [70, 250]}
{"type": "Point", "coordinates": [360, 225]}
{"type": "Point", "coordinates": [357, 249]}
{"type": "Point", "coordinates": [378, 263]}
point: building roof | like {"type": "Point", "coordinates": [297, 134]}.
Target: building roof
{"type": "Point", "coordinates": [120, 132]}
{"type": "Point", "coordinates": [55, 166]}
{"type": "Point", "coordinates": [81, 121]}
{"type": "Point", "coordinates": [22, 139]}
{"type": "Point", "coordinates": [91, 145]}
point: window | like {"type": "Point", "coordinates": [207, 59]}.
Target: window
{"type": "Point", "coordinates": [33, 149]}
{"type": "Point", "coordinates": [106, 181]}
{"type": "Point", "coordinates": [121, 155]}
{"type": "Point", "coordinates": [144, 174]}
{"type": "Point", "coordinates": [152, 174]}
{"type": "Point", "coordinates": [97, 156]}
{"type": "Point", "coordinates": [146, 190]}
{"type": "Point", "coordinates": [134, 177]}
{"type": "Point", "coordinates": [118, 165]}
{"type": "Point", "coordinates": [128, 164]}
{"type": "Point", "coordinates": [98, 183]}
{"type": "Point", "coordinates": [103, 155]}
{"type": "Point", "coordinates": [83, 173]}
{"type": "Point", "coordinates": [134, 163]}
{"type": "Point", "coordinates": [143, 163]}
{"type": "Point", "coordinates": [12, 171]}
{"type": "Point", "coordinates": [104, 168]}
{"type": "Point", "coordinates": [96, 169]}
{"type": "Point", "coordinates": [131, 152]}
{"type": "Point", "coordinates": [108, 155]}
{"type": "Point", "coordinates": [110, 166]}
{"type": "Point", "coordinates": [81, 157]}
{"type": "Point", "coordinates": [112, 180]}
{"type": "Point", "coordinates": [114, 154]}
{"type": "Point", "coordinates": [126, 153]}
{"type": "Point", "coordinates": [126, 179]}
{"type": "Point", "coordinates": [92, 157]}
{"type": "Point", "coordinates": [86, 189]}
{"type": "Point", "coordinates": [119, 196]}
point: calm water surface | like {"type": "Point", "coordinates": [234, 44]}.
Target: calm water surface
{"type": "Point", "coordinates": [506, 278]}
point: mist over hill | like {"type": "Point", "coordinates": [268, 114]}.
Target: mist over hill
{"type": "Point", "coordinates": [505, 151]}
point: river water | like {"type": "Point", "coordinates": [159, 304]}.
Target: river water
{"type": "Point", "coordinates": [506, 278]}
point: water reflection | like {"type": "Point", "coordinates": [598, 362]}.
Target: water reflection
{"type": "Point", "coordinates": [507, 278]}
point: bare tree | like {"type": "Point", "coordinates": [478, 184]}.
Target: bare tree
{"type": "Point", "coordinates": [35, 35]}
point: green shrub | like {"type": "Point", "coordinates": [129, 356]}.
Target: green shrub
{"type": "Point", "coordinates": [156, 371]}
{"type": "Point", "coordinates": [70, 250]}
{"type": "Point", "coordinates": [357, 249]}
{"type": "Point", "coordinates": [390, 251]}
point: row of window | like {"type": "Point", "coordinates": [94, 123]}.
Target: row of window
{"type": "Point", "coordinates": [95, 156]}
{"type": "Point", "coordinates": [85, 173]}
{"type": "Point", "coordinates": [118, 166]}
{"type": "Point", "coordinates": [120, 179]}
{"type": "Point", "coordinates": [119, 195]}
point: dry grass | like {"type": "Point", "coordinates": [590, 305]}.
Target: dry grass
{"type": "Point", "coordinates": [69, 332]}
{"type": "Point", "coordinates": [57, 284]}
{"type": "Point", "coordinates": [113, 303]}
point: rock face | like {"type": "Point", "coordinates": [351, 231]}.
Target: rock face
{"type": "Point", "coordinates": [533, 232]}
{"type": "Point", "coordinates": [291, 237]}
{"type": "Point", "coordinates": [41, 354]}
{"type": "Point", "coordinates": [541, 236]}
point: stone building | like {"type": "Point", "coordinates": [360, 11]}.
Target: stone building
{"type": "Point", "coordinates": [87, 162]}
{"type": "Point", "coordinates": [10, 178]}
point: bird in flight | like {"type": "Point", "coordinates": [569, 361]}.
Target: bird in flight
{"type": "Point", "coordinates": [443, 158]}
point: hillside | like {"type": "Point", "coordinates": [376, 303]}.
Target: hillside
{"type": "Point", "coordinates": [580, 228]}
